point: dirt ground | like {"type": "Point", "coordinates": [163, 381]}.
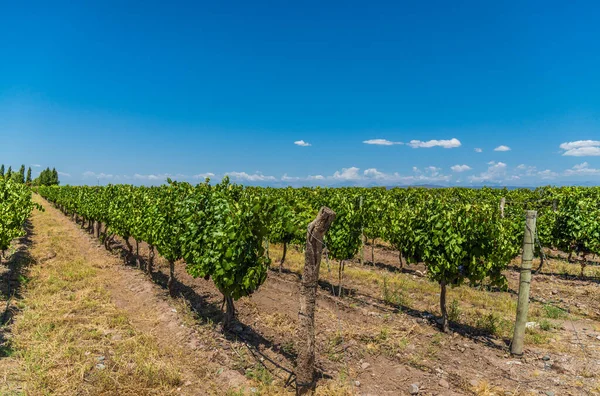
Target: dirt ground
{"type": "Point", "coordinates": [380, 338]}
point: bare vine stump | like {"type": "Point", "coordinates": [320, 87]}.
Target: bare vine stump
{"type": "Point", "coordinates": [444, 324]}
{"type": "Point", "coordinates": [341, 278]}
{"type": "Point", "coordinates": [150, 259]}
{"type": "Point", "coordinates": [305, 369]}
{"type": "Point", "coordinates": [137, 254]}
{"type": "Point", "coordinates": [373, 251]}
{"type": "Point", "coordinates": [171, 276]}
{"type": "Point", "coordinates": [283, 257]}
{"type": "Point", "coordinates": [129, 250]}
{"type": "Point", "coordinates": [229, 313]}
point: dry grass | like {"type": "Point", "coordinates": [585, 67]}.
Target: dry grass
{"type": "Point", "coordinates": [70, 339]}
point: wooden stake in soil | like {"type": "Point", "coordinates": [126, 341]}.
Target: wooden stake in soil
{"type": "Point", "coordinates": [305, 370]}
{"type": "Point", "coordinates": [524, 283]}
{"type": "Point", "coordinates": [502, 204]}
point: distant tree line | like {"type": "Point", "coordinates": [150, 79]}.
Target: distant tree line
{"type": "Point", "coordinates": [46, 178]}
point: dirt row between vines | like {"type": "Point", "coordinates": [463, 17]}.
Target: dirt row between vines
{"type": "Point", "coordinates": [372, 346]}
{"type": "Point", "coordinates": [367, 343]}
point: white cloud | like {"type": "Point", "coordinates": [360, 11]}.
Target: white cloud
{"type": "Point", "coordinates": [203, 175]}
{"type": "Point", "coordinates": [156, 177]}
{"type": "Point", "coordinates": [347, 174]}
{"type": "Point", "coordinates": [256, 177]}
{"type": "Point", "coordinates": [502, 148]}
{"type": "Point", "coordinates": [495, 172]}
{"type": "Point", "coordinates": [478, 150]}
{"type": "Point", "coordinates": [581, 148]}
{"type": "Point", "coordinates": [301, 143]}
{"type": "Point", "coordinates": [582, 169]}
{"type": "Point", "coordinates": [89, 174]}
{"type": "Point", "coordinates": [374, 173]}
{"type": "Point", "coordinates": [524, 170]}
{"type": "Point", "coordinates": [460, 168]}
{"type": "Point", "coordinates": [433, 171]}
{"type": "Point", "coordinates": [381, 142]}
{"type": "Point", "coordinates": [583, 152]}
{"type": "Point", "coordinates": [579, 144]}
{"type": "Point", "coordinates": [452, 143]}
{"type": "Point", "coordinates": [287, 178]}
{"type": "Point", "coordinates": [64, 174]}
{"type": "Point", "coordinates": [36, 165]}
{"type": "Point", "coordinates": [430, 174]}
{"type": "Point", "coordinates": [547, 174]}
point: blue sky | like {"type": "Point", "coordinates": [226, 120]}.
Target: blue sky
{"type": "Point", "coordinates": [123, 93]}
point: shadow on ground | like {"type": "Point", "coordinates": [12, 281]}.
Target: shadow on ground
{"type": "Point", "coordinates": [13, 276]}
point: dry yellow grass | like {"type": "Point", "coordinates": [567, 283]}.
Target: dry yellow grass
{"type": "Point", "coordinates": [69, 338]}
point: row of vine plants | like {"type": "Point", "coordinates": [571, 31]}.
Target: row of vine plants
{"type": "Point", "coordinates": [15, 207]}
{"type": "Point", "coordinates": [222, 231]}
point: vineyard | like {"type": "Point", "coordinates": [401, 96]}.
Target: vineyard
{"type": "Point", "coordinates": [382, 243]}
{"type": "Point", "coordinates": [222, 231]}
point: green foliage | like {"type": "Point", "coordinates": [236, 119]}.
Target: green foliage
{"type": "Point", "coordinates": [219, 230]}
{"type": "Point", "coordinates": [291, 216]}
{"type": "Point", "coordinates": [554, 312]}
{"type": "Point", "coordinates": [490, 323]}
{"type": "Point", "coordinates": [15, 208]}
{"type": "Point", "coordinates": [454, 311]}
{"type": "Point", "coordinates": [47, 178]}
{"type": "Point", "coordinates": [225, 227]}
{"type": "Point", "coordinates": [344, 237]}
{"type": "Point", "coordinates": [546, 325]}
{"type": "Point", "coordinates": [577, 221]}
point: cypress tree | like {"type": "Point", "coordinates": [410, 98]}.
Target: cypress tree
{"type": "Point", "coordinates": [54, 177]}
{"type": "Point", "coordinates": [21, 176]}
{"type": "Point", "coordinates": [2, 170]}
{"type": "Point", "coordinates": [28, 181]}
{"type": "Point", "coordinates": [45, 177]}
{"type": "Point", "coordinates": [9, 172]}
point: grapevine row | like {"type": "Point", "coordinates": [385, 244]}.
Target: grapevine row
{"type": "Point", "coordinates": [222, 231]}
{"type": "Point", "coordinates": [15, 208]}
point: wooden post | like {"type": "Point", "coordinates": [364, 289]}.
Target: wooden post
{"type": "Point", "coordinates": [502, 204]}
{"type": "Point", "coordinates": [305, 369]}
{"type": "Point", "coordinates": [524, 283]}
